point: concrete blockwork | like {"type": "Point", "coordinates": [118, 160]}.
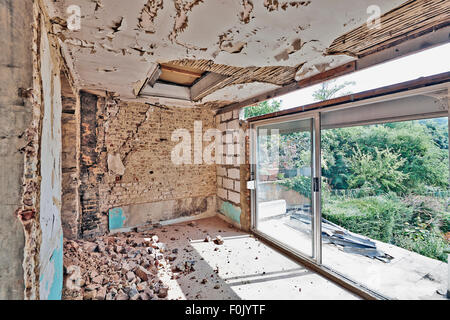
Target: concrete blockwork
{"type": "Point", "coordinates": [233, 197]}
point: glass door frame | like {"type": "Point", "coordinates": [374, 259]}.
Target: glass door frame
{"type": "Point", "coordinates": [315, 187]}
{"type": "Point", "coordinates": [315, 263]}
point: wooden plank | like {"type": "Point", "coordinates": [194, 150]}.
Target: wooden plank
{"type": "Point", "coordinates": [189, 73]}
{"type": "Point", "coordinates": [404, 86]}
{"type": "Point", "coordinates": [321, 77]}
{"type": "Point", "coordinates": [412, 19]}
{"type": "Point", "coordinates": [167, 91]}
{"type": "Point", "coordinates": [206, 85]}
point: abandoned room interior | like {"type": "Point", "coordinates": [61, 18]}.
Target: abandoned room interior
{"type": "Point", "coordinates": [224, 149]}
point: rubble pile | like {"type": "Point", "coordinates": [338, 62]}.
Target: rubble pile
{"type": "Point", "coordinates": [124, 266]}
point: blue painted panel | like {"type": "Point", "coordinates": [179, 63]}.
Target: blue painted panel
{"type": "Point", "coordinates": [231, 211]}
{"type": "Point", "coordinates": [57, 284]}
{"type": "Point", "coordinates": [116, 218]}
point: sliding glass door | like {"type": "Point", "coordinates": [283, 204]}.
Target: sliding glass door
{"type": "Point", "coordinates": [385, 206]}
{"type": "Point", "coordinates": [287, 184]}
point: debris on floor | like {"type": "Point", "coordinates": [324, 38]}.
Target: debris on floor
{"type": "Point", "coordinates": [344, 239]}
{"type": "Point", "coordinates": [218, 240]}
{"type": "Point", "coordinates": [124, 266]}
{"type": "Point", "coordinates": [129, 266]}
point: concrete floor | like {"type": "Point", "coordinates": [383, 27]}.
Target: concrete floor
{"type": "Point", "coordinates": [241, 268]}
{"type": "Point", "coordinates": [408, 276]}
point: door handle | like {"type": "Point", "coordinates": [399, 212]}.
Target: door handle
{"type": "Point", "coordinates": [316, 185]}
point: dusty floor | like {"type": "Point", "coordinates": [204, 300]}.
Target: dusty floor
{"type": "Point", "coordinates": [188, 267]}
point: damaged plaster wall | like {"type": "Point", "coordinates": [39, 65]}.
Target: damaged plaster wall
{"type": "Point", "coordinates": [126, 164]}
{"type": "Point", "coordinates": [31, 259]}
{"type": "Point", "coordinates": [16, 71]}
{"type": "Point", "coordinates": [51, 256]}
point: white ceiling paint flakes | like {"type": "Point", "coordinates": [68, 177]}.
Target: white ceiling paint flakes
{"type": "Point", "coordinates": [119, 40]}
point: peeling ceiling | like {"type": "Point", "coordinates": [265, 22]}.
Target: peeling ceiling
{"type": "Point", "coordinates": [120, 41]}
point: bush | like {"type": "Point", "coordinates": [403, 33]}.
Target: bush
{"type": "Point", "coordinates": [414, 223]}
{"type": "Point", "coordinates": [300, 184]}
{"type": "Point", "coordinates": [377, 174]}
{"type": "Point", "coordinates": [427, 243]}
{"type": "Point", "coordinates": [446, 223]}
{"type": "Point", "coordinates": [375, 217]}
{"type": "Point", "coordinates": [427, 211]}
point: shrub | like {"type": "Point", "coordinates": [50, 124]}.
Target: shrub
{"type": "Point", "coordinates": [377, 174]}
{"type": "Point", "coordinates": [300, 184]}
{"type": "Point", "coordinates": [375, 217]}
{"type": "Point", "coordinates": [428, 243]}
{"type": "Point", "coordinates": [414, 223]}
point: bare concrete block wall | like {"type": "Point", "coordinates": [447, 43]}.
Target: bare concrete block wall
{"type": "Point", "coordinates": [126, 162]}
{"type": "Point", "coordinates": [16, 69]}
{"type": "Point", "coordinates": [233, 172]}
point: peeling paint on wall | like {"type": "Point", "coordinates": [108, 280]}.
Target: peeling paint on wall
{"type": "Point", "coordinates": [116, 218]}
{"type": "Point", "coordinates": [51, 287]}
{"type": "Point", "coordinates": [50, 254]}
{"type": "Point", "coordinates": [231, 211]}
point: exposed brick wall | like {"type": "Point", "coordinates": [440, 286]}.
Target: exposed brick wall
{"type": "Point", "coordinates": [91, 172]}
{"type": "Point", "coordinates": [140, 135]}
{"type": "Point", "coordinates": [69, 205]}
{"type": "Point", "coordinates": [234, 170]}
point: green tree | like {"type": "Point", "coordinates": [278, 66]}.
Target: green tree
{"type": "Point", "coordinates": [329, 90]}
{"type": "Point", "coordinates": [262, 108]}
{"type": "Point", "coordinates": [377, 174]}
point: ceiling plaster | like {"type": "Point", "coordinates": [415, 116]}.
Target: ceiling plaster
{"type": "Point", "coordinates": [120, 40]}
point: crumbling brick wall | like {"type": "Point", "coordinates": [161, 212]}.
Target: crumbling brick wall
{"type": "Point", "coordinates": [69, 206]}
{"type": "Point", "coordinates": [92, 168]}
{"type": "Point", "coordinates": [233, 172]}
{"type": "Point", "coordinates": [136, 138]}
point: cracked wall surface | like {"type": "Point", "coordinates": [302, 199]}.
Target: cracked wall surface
{"type": "Point", "coordinates": [124, 39]}
{"type": "Point", "coordinates": [126, 163]}
{"type": "Point", "coordinates": [31, 107]}
{"type": "Point", "coordinates": [15, 117]}
{"type": "Point", "coordinates": [50, 253]}
{"type": "Point", "coordinates": [69, 161]}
